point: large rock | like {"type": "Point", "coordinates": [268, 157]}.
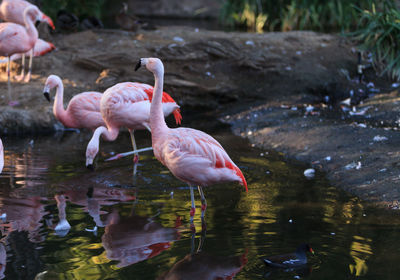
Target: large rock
{"type": "Point", "coordinates": [211, 70]}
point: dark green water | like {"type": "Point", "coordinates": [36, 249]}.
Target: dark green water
{"type": "Point", "coordinates": [149, 236]}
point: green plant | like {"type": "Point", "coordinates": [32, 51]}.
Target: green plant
{"type": "Point", "coordinates": [379, 32]}
{"type": "Point", "coordinates": [284, 15]}
{"type": "Point", "coordinates": [78, 7]}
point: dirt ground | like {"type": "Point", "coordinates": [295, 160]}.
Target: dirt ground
{"type": "Point", "coordinates": [261, 84]}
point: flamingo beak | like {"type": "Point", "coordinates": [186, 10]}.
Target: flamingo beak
{"type": "Point", "coordinates": [89, 193]}
{"type": "Point", "coordinates": [47, 95]}
{"type": "Point", "coordinates": [90, 167]}
{"type": "Point", "coordinates": [138, 65]}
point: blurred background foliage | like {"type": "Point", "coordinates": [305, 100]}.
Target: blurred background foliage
{"type": "Point", "coordinates": [286, 15]}
{"type": "Point", "coordinates": [374, 24]}
{"type": "Point", "coordinates": [81, 8]}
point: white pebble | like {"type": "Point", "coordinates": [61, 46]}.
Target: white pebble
{"type": "Point", "coordinates": [309, 173]}
{"type": "Point", "coordinates": [178, 39]}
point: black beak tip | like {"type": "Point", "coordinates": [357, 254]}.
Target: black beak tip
{"type": "Point", "coordinates": [47, 95]}
{"type": "Point", "coordinates": [90, 167]}
{"type": "Point", "coordinates": [138, 65]}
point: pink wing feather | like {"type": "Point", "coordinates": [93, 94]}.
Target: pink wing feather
{"type": "Point", "coordinates": [185, 143]}
{"type": "Point", "coordinates": [143, 92]}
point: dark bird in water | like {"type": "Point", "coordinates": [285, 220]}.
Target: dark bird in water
{"type": "Point", "coordinates": [290, 260]}
{"type": "Point", "coordinates": [67, 21]}
{"type": "Point", "coordinates": [127, 21]}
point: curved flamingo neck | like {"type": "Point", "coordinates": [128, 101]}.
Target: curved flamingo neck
{"type": "Point", "coordinates": [30, 26]}
{"type": "Point", "coordinates": [157, 121]}
{"type": "Point", "coordinates": [58, 107]}
{"type": "Point", "coordinates": [109, 134]}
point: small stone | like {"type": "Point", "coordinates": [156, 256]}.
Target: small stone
{"type": "Point", "coordinates": [309, 173]}
{"type": "Point", "coordinates": [178, 39]}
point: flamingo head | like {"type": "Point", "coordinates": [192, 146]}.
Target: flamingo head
{"type": "Point", "coordinates": [154, 65]}
{"type": "Point", "coordinates": [51, 82]}
{"type": "Point", "coordinates": [48, 20]}
{"type": "Point", "coordinates": [33, 13]}
{"type": "Point", "coordinates": [91, 152]}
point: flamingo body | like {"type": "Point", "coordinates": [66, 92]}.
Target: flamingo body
{"type": "Point", "coordinates": [191, 155]}
{"type": "Point", "coordinates": [195, 157]}
{"type": "Point", "coordinates": [83, 110]}
{"type": "Point", "coordinates": [13, 10]}
{"type": "Point", "coordinates": [14, 38]}
{"type": "Point", "coordinates": [128, 105]}
{"type": "Point", "coordinates": [41, 48]}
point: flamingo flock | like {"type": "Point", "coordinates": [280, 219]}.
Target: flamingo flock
{"type": "Point", "coordinates": [18, 35]}
{"type": "Point", "coordinates": [191, 155]}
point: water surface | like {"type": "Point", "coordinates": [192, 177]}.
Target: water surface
{"type": "Point", "coordinates": [143, 229]}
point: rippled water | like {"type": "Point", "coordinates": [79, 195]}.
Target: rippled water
{"type": "Point", "coordinates": [143, 229]}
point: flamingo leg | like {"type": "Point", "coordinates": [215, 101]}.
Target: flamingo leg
{"type": "Point", "coordinates": [203, 202]}
{"type": "Point", "coordinates": [21, 76]}
{"type": "Point", "coordinates": [193, 208]}
{"type": "Point", "coordinates": [8, 77]}
{"type": "Point", "coordinates": [28, 77]}
{"type": "Point", "coordinates": [135, 151]}
{"type": "Point", "coordinates": [136, 157]}
{"type": "Point", "coordinates": [129, 153]}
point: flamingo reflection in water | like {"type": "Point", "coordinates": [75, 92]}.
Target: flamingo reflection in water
{"type": "Point", "coordinates": [199, 265]}
{"type": "Point", "coordinates": [22, 214]}
{"type": "Point", "coordinates": [92, 198]}
{"type": "Point", "coordinates": [20, 226]}
{"type": "Point", "coordinates": [133, 239]}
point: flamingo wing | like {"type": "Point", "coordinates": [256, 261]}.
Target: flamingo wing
{"type": "Point", "coordinates": [85, 109]}
{"type": "Point", "coordinates": [87, 101]}
{"type": "Point", "coordinates": [7, 31]}
{"type": "Point", "coordinates": [166, 100]}
{"type": "Point", "coordinates": [13, 11]}
{"type": "Point", "coordinates": [196, 157]}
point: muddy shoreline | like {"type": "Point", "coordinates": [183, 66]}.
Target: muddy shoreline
{"type": "Point", "coordinates": [280, 90]}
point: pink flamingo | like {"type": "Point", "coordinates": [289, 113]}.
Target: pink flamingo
{"type": "Point", "coordinates": [13, 11]}
{"type": "Point", "coordinates": [15, 38]}
{"type": "Point", "coordinates": [127, 105]}
{"type": "Point", "coordinates": [41, 48]}
{"type": "Point", "coordinates": [83, 110]}
{"type": "Point", "coordinates": [191, 155]}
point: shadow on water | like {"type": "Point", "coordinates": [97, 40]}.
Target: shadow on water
{"type": "Point", "coordinates": [60, 220]}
